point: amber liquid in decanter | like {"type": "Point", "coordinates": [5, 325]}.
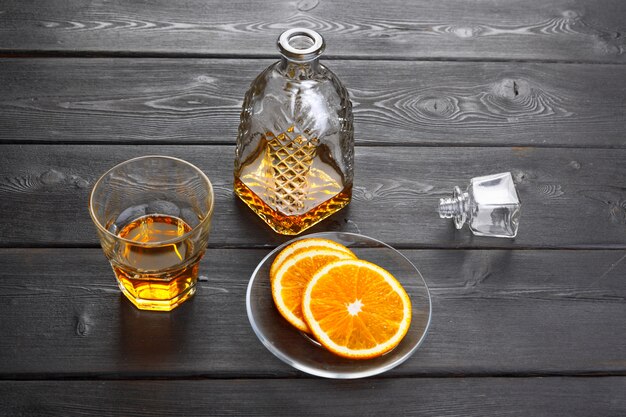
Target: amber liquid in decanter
{"type": "Point", "coordinates": [290, 183]}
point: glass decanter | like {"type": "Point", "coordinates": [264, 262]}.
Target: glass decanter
{"type": "Point", "coordinates": [295, 148]}
{"type": "Point", "coordinates": [490, 206]}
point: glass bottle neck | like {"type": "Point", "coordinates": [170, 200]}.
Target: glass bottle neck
{"type": "Point", "coordinates": [456, 207]}
{"type": "Point", "coordinates": [299, 70]}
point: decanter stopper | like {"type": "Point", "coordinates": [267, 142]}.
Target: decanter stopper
{"type": "Point", "coordinates": [490, 206]}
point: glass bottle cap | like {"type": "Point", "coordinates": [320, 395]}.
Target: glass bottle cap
{"type": "Point", "coordinates": [300, 44]}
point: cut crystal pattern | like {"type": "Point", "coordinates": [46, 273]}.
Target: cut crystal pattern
{"type": "Point", "coordinates": [290, 164]}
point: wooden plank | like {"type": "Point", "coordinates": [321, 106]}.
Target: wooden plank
{"type": "Point", "coordinates": [578, 30]}
{"type": "Point", "coordinates": [425, 103]}
{"type": "Point", "coordinates": [495, 312]}
{"type": "Point", "coordinates": [571, 197]}
{"type": "Point", "coordinates": [373, 397]}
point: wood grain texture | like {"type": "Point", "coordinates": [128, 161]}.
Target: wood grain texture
{"type": "Point", "coordinates": [573, 198]}
{"type": "Point", "coordinates": [458, 397]}
{"type": "Point", "coordinates": [495, 312]}
{"type": "Point", "coordinates": [442, 91]}
{"type": "Point", "coordinates": [424, 103]}
{"type": "Point", "coordinates": [573, 30]}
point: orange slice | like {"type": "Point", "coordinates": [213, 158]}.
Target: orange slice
{"type": "Point", "coordinates": [302, 245]}
{"type": "Point", "coordinates": [292, 278]}
{"type": "Point", "coordinates": [356, 309]}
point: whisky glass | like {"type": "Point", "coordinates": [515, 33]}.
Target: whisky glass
{"type": "Point", "coordinates": [153, 216]}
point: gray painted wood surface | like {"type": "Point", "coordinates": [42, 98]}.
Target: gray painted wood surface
{"type": "Point", "coordinates": [196, 101]}
{"type": "Point", "coordinates": [443, 91]}
{"type": "Point", "coordinates": [439, 397]}
{"type": "Point", "coordinates": [570, 30]}
{"type": "Point", "coordinates": [572, 198]}
{"type": "Point", "coordinates": [495, 312]}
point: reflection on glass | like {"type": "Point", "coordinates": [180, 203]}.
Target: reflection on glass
{"type": "Point", "coordinates": [490, 206]}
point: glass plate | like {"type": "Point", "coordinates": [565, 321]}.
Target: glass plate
{"type": "Point", "coordinates": [303, 353]}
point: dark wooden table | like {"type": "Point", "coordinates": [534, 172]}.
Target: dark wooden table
{"type": "Point", "coordinates": [442, 91]}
